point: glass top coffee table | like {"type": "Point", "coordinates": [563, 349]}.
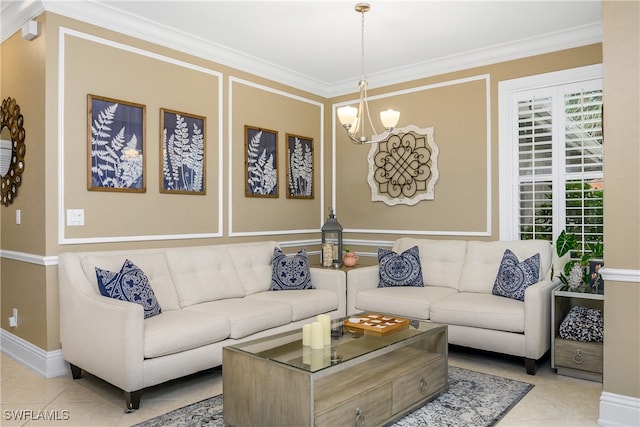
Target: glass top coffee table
{"type": "Point", "coordinates": [363, 377]}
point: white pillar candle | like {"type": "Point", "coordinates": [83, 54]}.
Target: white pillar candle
{"type": "Point", "coordinates": [306, 354]}
{"type": "Point", "coordinates": [317, 337]}
{"type": "Point", "coordinates": [325, 319]}
{"type": "Point", "coordinates": [306, 334]}
{"type": "Point", "coordinates": [317, 359]}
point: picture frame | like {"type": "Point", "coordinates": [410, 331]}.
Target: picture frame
{"type": "Point", "coordinates": [596, 283]}
{"type": "Point", "coordinates": [116, 134]}
{"type": "Point", "coordinates": [261, 162]}
{"type": "Point", "coordinates": [299, 167]}
{"type": "Point", "coordinates": [182, 152]}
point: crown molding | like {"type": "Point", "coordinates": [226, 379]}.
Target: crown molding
{"type": "Point", "coordinates": [15, 14]}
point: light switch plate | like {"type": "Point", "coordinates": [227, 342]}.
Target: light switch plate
{"type": "Point", "coordinates": [75, 217]}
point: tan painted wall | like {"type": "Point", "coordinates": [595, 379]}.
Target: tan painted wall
{"type": "Point", "coordinates": [621, 51]}
{"type": "Point", "coordinates": [23, 285]}
{"type": "Point", "coordinates": [459, 111]}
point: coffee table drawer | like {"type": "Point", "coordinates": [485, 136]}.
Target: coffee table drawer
{"type": "Point", "coordinates": [419, 384]}
{"type": "Point", "coordinates": [369, 408]}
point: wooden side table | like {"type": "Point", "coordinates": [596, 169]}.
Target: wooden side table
{"type": "Point", "coordinates": [574, 358]}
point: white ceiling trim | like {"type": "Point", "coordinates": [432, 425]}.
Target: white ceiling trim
{"type": "Point", "coordinates": [15, 14]}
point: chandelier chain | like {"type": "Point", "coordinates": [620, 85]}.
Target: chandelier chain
{"type": "Point", "coordinates": [364, 76]}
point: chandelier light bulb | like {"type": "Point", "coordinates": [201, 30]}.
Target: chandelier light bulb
{"type": "Point", "coordinates": [347, 115]}
{"type": "Point", "coordinates": [389, 118]}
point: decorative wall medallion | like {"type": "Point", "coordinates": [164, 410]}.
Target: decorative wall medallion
{"type": "Point", "coordinates": [404, 168]}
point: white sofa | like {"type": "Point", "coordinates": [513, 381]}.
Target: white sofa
{"type": "Point", "coordinates": [211, 296]}
{"type": "Point", "coordinates": [459, 277]}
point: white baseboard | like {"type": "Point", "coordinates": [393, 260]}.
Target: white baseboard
{"type": "Point", "coordinates": [617, 410]}
{"type": "Point", "coordinates": [49, 364]}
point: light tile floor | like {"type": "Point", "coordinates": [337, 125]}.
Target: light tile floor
{"type": "Point", "coordinates": [554, 401]}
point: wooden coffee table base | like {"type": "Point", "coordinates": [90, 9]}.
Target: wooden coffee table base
{"type": "Point", "coordinates": [372, 389]}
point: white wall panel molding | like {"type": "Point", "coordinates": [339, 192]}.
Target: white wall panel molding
{"type": "Point", "coordinates": [63, 34]}
{"type": "Point", "coordinates": [336, 127]}
{"type": "Point", "coordinates": [248, 233]}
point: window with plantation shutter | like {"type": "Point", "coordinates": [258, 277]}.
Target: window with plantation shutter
{"type": "Point", "coordinates": [551, 156]}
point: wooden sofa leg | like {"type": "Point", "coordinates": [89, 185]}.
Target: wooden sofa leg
{"type": "Point", "coordinates": [76, 372]}
{"type": "Point", "coordinates": [132, 400]}
{"type": "Point", "coordinates": [530, 365]}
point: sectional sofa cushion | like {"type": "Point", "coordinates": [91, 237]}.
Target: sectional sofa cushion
{"type": "Point", "coordinates": [409, 301]}
{"type": "Point", "coordinates": [203, 274]}
{"type": "Point", "coordinates": [252, 262]}
{"type": "Point", "coordinates": [175, 331]}
{"type": "Point", "coordinates": [247, 316]}
{"type": "Point", "coordinates": [483, 260]}
{"type": "Point", "coordinates": [514, 276]}
{"type": "Point", "coordinates": [154, 265]}
{"type": "Point", "coordinates": [478, 310]}
{"type": "Point", "coordinates": [290, 272]}
{"type": "Point", "coordinates": [129, 284]}
{"type": "Point", "coordinates": [304, 303]}
{"type": "Point", "coordinates": [399, 269]}
{"type": "Point", "coordinates": [441, 260]}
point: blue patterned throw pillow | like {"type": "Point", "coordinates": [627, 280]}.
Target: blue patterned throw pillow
{"type": "Point", "coordinates": [290, 272]}
{"type": "Point", "coordinates": [515, 276]}
{"type": "Point", "coordinates": [400, 269]}
{"type": "Point", "coordinates": [129, 284]}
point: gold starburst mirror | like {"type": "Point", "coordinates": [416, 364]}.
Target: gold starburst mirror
{"type": "Point", "coordinates": [12, 150]}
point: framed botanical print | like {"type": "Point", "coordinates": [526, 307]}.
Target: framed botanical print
{"type": "Point", "coordinates": [182, 152]}
{"type": "Point", "coordinates": [299, 167]}
{"type": "Point", "coordinates": [261, 154]}
{"type": "Point", "coordinates": [116, 137]}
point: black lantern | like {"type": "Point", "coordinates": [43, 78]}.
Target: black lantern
{"type": "Point", "coordinates": [331, 254]}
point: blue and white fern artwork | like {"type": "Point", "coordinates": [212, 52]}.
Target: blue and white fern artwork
{"type": "Point", "coordinates": [183, 153]}
{"type": "Point", "coordinates": [262, 164]}
{"type": "Point", "coordinates": [299, 167]}
{"type": "Point", "coordinates": [117, 141]}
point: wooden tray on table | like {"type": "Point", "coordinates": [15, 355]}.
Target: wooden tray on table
{"type": "Point", "coordinates": [376, 323]}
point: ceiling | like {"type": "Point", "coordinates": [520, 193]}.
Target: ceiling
{"type": "Point", "coordinates": [315, 45]}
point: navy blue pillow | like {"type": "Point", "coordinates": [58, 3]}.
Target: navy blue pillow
{"type": "Point", "coordinates": [515, 276]}
{"type": "Point", "coordinates": [400, 269]}
{"type": "Point", "coordinates": [290, 272]}
{"type": "Point", "coordinates": [129, 284]}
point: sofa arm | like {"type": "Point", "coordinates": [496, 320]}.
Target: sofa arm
{"type": "Point", "coordinates": [358, 280]}
{"type": "Point", "coordinates": [331, 280]}
{"type": "Point", "coordinates": [104, 336]}
{"type": "Point", "coordinates": [537, 318]}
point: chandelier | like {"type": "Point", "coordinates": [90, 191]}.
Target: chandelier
{"type": "Point", "coordinates": [351, 118]}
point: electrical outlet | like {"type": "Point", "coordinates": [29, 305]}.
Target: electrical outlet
{"type": "Point", "coordinates": [18, 216]}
